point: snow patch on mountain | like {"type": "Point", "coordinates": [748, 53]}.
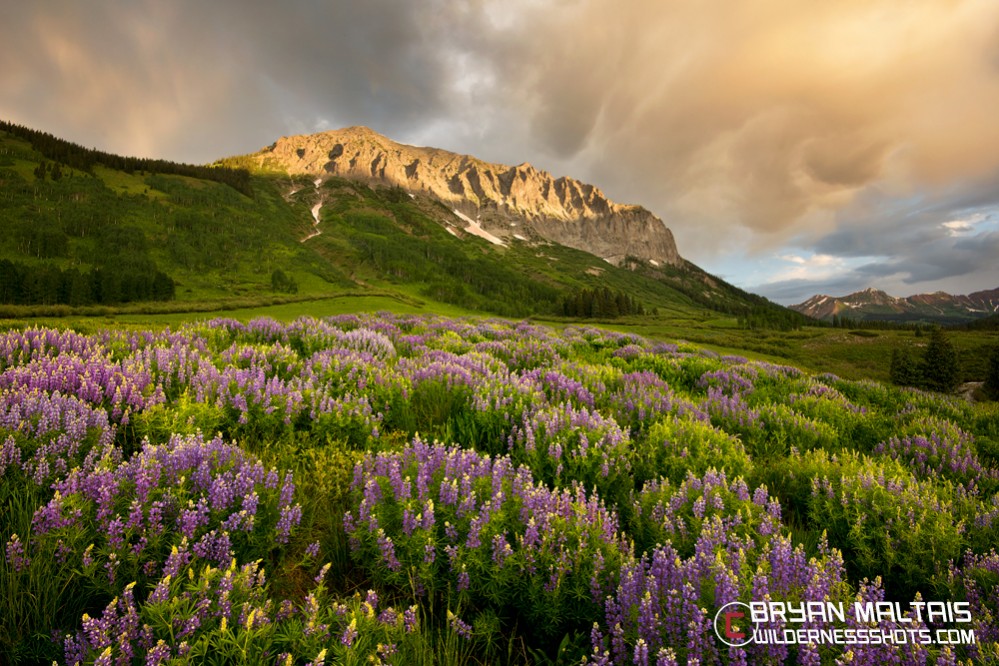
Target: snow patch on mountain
{"type": "Point", "coordinates": [476, 230]}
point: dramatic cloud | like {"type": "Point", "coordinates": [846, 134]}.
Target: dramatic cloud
{"type": "Point", "coordinates": [771, 115]}
{"type": "Point", "coordinates": [860, 128]}
{"type": "Point", "coordinates": [902, 253]}
{"type": "Point", "coordinates": [199, 80]}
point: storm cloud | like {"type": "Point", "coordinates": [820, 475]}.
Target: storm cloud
{"type": "Point", "coordinates": [850, 129]}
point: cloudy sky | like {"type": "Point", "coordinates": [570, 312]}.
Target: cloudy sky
{"type": "Point", "coordinates": [793, 146]}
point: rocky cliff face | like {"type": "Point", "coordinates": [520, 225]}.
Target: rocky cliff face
{"type": "Point", "coordinates": [505, 200]}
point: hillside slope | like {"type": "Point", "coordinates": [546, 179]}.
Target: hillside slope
{"type": "Point", "coordinates": [216, 240]}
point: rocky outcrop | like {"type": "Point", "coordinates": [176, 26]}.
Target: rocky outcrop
{"type": "Point", "coordinates": [504, 199]}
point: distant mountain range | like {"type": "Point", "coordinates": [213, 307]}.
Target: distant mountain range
{"type": "Point", "coordinates": [874, 304]}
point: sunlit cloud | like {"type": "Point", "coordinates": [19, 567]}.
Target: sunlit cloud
{"type": "Point", "coordinates": [813, 268]}
{"type": "Point", "coordinates": [957, 227]}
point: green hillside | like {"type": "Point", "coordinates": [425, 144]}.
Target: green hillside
{"type": "Point", "coordinates": [85, 229]}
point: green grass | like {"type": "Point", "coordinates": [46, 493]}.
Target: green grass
{"type": "Point", "coordinates": [326, 307]}
{"type": "Point", "coordinates": [815, 349]}
{"type": "Point", "coordinates": [124, 183]}
{"type": "Point", "coordinates": [818, 349]}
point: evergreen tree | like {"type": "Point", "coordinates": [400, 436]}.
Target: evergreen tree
{"type": "Point", "coordinates": [939, 367]}
{"type": "Point", "coordinates": [600, 302]}
{"type": "Point", "coordinates": [77, 288]}
{"type": "Point", "coordinates": [991, 386]}
{"type": "Point", "coordinates": [11, 282]}
{"type": "Point", "coordinates": [163, 288]}
{"type": "Point", "coordinates": [281, 282]}
{"type": "Point", "coordinates": [903, 370]}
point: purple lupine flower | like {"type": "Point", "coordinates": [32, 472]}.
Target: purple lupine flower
{"type": "Point", "coordinates": [459, 626]}
{"type": "Point", "coordinates": [159, 654]}
{"type": "Point", "coordinates": [290, 517]}
{"type": "Point", "coordinates": [14, 551]}
{"type": "Point", "coordinates": [409, 619]}
{"type": "Point", "coordinates": [349, 634]}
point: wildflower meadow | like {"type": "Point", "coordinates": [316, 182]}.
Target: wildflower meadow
{"type": "Point", "coordinates": [392, 489]}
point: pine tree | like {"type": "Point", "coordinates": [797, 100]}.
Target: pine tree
{"type": "Point", "coordinates": [903, 371]}
{"type": "Point", "coordinates": [991, 385]}
{"type": "Point", "coordinates": [163, 288]}
{"type": "Point", "coordinates": [939, 367]}
{"type": "Point", "coordinates": [282, 282]}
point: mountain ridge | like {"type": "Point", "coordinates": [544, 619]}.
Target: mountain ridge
{"type": "Point", "coordinates": [245, 234]}
{"type": "Point", "coordinates": [506, 201]}
{"type": "Point", "coordinates": [875, 304]}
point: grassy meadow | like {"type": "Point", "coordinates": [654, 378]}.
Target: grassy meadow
{"type": "Point", "coordinates": [417, 488]}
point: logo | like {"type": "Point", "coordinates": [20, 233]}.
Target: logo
{"type": "Point", "coordinates": [732, 624]}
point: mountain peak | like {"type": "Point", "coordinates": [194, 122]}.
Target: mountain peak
{"type": "Point", "coordinates": [352, 131]}
{"type": "Point", "coordinates": [872, 303]}
{"type": "Point", "coordinates": [871, 295]}
{"type": "Point", "coordinates": [504, 200]}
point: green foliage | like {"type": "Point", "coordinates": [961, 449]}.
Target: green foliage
{"type": "Point", "coordinates": [679, 513]}
{"type": "Point", "coordinates": [282, 283]}
{"type": "Point", "coordinates": [903, 370]}
{"type": "Point", "coordinates": [887, 522]}
{"type": "Point", "coordinates": [676, 447]}
{"type": "Point", "coordinates": [24, 285]}
{"type": "Point", "coordinates": [469, 545]}
{"type": "Point", "coordinates": [181, 620]}
{"type": "Point", "coordinates": [769, 318]}
{"type": "Point", "coordinates": [785, 428]}
{"type": "Point", "coordinates": [991, 385]}
{"type": "Point", "coordinates": [86, 159]}
{"type": "Point", "coordinates": [600, 303]}
{"type": "Point", "coordinates": [939, 366]}
{"type": "Point", "coordinates": [47, 593]}
{"type": "Point", "coordinates": [558, 404]}
{"type": "Point", "coordinates": [708, 291]}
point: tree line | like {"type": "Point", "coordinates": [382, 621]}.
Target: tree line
{"type": "Point", "coordinates": [84, 159]}
{"type": "Point", "coordinates": [937, 370]}
{"type": "Point", "coordinates": [990, 323]}
{"type": "Point", "coordinates": [601, 302]}
{"type": "Point", "coordinates": [772, 319]}
{"type": "Point", "coordinates": [842, 321]}
{"type": "Point", "coordinates": [50, 285]}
